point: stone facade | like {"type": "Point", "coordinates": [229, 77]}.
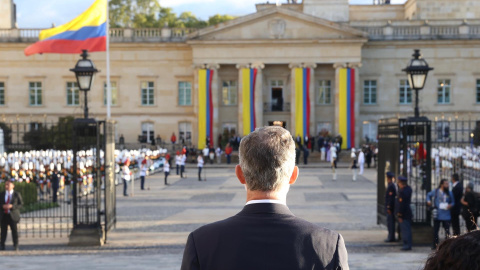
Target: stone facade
{"type": "Point", "coordinates": [376, 40]}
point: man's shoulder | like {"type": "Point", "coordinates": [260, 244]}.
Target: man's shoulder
{"type": "Point", "coordinates": [290, 224]}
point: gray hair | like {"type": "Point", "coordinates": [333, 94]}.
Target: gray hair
{"type": "Point", "coordinates": [267, 158]}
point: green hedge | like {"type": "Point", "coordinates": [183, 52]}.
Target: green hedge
{"type": "Point", "coordinates": [28, 191]}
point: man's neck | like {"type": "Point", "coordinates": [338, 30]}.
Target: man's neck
{"type": "Point", "coordinates": [262, 195]}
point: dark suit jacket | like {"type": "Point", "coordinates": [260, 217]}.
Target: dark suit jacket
{"type": "Point", "coordinates": [264, 236]}
{"type": "Point", "coordinates": [17, 203]}
{"type": "Point", "coordinates": [457, 192]}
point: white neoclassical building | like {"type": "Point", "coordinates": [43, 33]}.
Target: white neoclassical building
{"type": "Point", "coordinates": [155, 71]}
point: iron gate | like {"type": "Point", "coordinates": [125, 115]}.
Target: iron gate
{"type": "Point", "coordinates": [53, 206]}
{"type": "Point", "coordinates": [94, 166]}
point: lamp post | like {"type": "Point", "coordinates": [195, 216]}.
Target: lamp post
{"type": "Point", "coordinates": [472, 135]}
{"type": "Point", "coordinates": [417, 72]}
{"type": "Point", "coordinates": [85, 73]}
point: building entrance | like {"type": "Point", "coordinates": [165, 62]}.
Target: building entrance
{"type": "Point", "coordinates": [278, 123]}
{"type": "Point", "coordinates": [277, 99]}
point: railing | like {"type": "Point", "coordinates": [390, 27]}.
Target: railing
{"type": "Point", "coordinates": [445, 30]}
{"type": "Point", "coordinates": [417, 30]}
{"type": "Point", "coordinates": [406, 31]}
{"type": "Point", "coordinates": [276, 107]}
{"type": "Point", "coordinates": [116, 34]}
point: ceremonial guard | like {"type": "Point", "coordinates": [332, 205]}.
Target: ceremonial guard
{"type": "Point", "coordinates": [404, 212]}
{"type": "Point", "coordinates": [390, 195]}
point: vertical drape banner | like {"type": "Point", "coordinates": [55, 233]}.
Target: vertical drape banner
{"type": "Point", "coordinates": [249, 76]}
{"type": "Point", "coordinates": [302, 102]}
{"type": "Point", "coordinates": [347, 107]}
{"type": "Point", "coordinates": [205, 108]}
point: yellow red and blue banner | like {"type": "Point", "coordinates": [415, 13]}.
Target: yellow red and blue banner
{"type": "Point", "coordinates": [88, 31]}
{"type": "Point", "coordinates": [205, 108]}
{"type": "Point", "coordinates": [347, 107]}
{"type": "Point", "coordinates": [302, 102]}
{"type": "Point", "coordinates": [249, 76]}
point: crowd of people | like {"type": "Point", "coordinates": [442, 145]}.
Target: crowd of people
{"type": "Point", "coordinates": [446, 204]}
{"type": "Point", "coordinates": [53, 170]}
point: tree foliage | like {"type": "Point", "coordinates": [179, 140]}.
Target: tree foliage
{"type": "Point", "coordinates": [149, 14]}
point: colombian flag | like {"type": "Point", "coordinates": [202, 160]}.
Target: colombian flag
{"type": "Point", "coordinates": [248, 92]}
{"type": "Point", "coordinates": [302, 102]}
{"type": "Point", "coordinates": [205, 108]}
{"type": "Point", "coordinates": [86, 32]}
{"type": "Point", "coordinates": [346, 102]}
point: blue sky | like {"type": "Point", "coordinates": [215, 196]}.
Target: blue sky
{"type": "Point", "coordinates": [42, 13]}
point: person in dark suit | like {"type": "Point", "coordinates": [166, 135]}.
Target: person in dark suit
{"type": "Point", "coordinates": [390, 195]}
{"type": "Point", "coordinates": [404, 212]}
{"type": "Point", "coordinates": [11, 202]}
{"type": "Point", "coordinates": [265, 234]}
{"type": "Point", "coordinates": [457, 191]}
{"type": "Point", "coordinates": [55, 184]}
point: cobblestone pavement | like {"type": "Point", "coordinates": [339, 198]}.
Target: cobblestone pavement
{"type": "Point", "coordinates": [153, 224]}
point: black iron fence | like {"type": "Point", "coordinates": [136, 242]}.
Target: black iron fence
{"type": "Point", "coordinates": [426, 152]}
{"type": "Point", "coordinates": [61, 186]}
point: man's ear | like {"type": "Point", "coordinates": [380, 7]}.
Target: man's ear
{"type": "Point", "coordinates": [294, 176]}
{"type": "Point", "coordinates": [239, 173]}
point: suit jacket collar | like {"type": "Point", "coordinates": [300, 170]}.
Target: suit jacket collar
{"type": "Point", "coordinates": [265, 208]}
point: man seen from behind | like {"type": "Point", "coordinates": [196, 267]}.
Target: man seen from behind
{"type": "Point", "coordinates": [265, 234]}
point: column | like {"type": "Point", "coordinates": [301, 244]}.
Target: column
{"type": "Point", "coordinates": [358, 100]}
{"type": "Point", "coordinates": [216, 102]}
{"type": "Point", "coordinates": [195, 68]}
{"type": "Point", "coordinates": [337, 67]}
{"type": "Point", "coordinates": [311, 125]}
{"type": "Point", "coordinates": [240, 98]}
{"type": "Point", "coordinates": [291, 125]}
{"type": "Point", "coordinates": [313, 120]}
{"type": "Point", "coordinates": [259, 94]}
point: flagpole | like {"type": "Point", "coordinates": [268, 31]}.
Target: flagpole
{"type": "Point", "coordinates": [109, 89]}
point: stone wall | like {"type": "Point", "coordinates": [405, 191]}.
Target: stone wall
{"type": "Point", "coordinates": [447, 9]}
{"type": "Point", "coordinates": [7, 16]}
{"type": "Point", "coordinates": [332, 10]}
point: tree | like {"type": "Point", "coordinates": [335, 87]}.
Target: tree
{"type": "Point", "coordinates": [149, 14]}
{"type": "Point", "coordinates": [216, 19]}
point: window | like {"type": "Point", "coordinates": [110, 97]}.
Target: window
{"type": "Point", "coordinates": [184, 93]}
{"type": "Point", "coordinates": [370, 92]}
{"type": "Point", "coordinates": [113, 87]}
{"type": "Point", "coordinates": [276, 83]}
{"type": "Point", "coordinates": [35, 90]}
{"type": "Point", "coordinates": [369, 131]}
{"type": "Point", "coordinates": [443, 92]}
{"type": "Point", "coordinates": [35, 126]}
{"type": "Point", "coordinates": [478, 91]}
{"type": "Point", "coordinates": [148, 134]}
{"type": "Point", "coordinates": [405, 92]}
{"type": "Point", "coordinates": [73, 94]}
{"type": "Point", "coordinates": [442, 131]}
{"type": "Point", "coordinates": [185, 132]}
{"type": "Point", "coordinates": [324, 92]}
{"type": "Point", "coordinates": [229, 93]}
{"type": "Point", "coordinates": [148, 93]}
{"type": "Point", "coordinates": [2, 93]}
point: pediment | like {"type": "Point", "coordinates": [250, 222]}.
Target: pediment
{"type": "Point", "coordinates": [277, 24]}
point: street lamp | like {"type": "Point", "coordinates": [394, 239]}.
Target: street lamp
{"type": "Point", "coordinates": [417, 72]}
{"type": "Point", "coordinates": [85, 72]}
{"type": "Point", "coordinates": [472, 135]}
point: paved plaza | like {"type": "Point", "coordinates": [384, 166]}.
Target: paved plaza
{"type": "Point", "coordinates": [153, 224]}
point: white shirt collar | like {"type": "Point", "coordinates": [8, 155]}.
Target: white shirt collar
{"type": "Point", "coordinates": [454, 184]}
{"type": "Point", "coordinates": [265, 201]}
{"type": "Point", "coordinates": [8, 193]}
